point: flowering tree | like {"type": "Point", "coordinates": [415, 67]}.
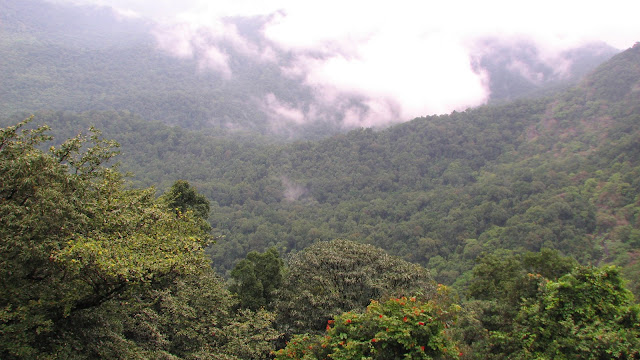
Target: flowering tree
{"type": "Point", "coordinates": [397, 328]}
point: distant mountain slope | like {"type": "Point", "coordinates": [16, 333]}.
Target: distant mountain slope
{"type": "Point", "coordinates": [517, 70]}
{"type": "Point", "coordinates": [618, 79]}
{"type": "Point", "coordinates": [560, 172]}
{"type": "Point", "coordinates": [62, 57]}
{"type": "Point", "coordinates": [84, 27]}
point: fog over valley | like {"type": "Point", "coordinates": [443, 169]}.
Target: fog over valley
{"type": "Point", "coordinates": [358, 64]}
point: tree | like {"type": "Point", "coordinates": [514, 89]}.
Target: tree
{"type": "Point", "coordinates": [399, 328]}
{"type": "Point", "coordinates": [329, 278]}
{"type": "Point", "coordinates": [182, 197]}
{"type": "Point", "coordinates": [502, 282]}
{"type": "Point", "coordinates": [504, 276]}
{"type": "Point", "coordinates": [256, 279]}
{"type": "Point", "coordinates": [587, 314]}
{"type": "Point", "coordinates": [90, 269]}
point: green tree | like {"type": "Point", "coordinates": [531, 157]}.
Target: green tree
{"type": "Point", "coordinates": [256, 279]}
{"type": "Point", "coordinates": [399, 328]}
{"type": "Point", "coordinates": [587, 314]}
{"type": "Point", "coordinates": [90, 269]}
{"type": "Point", "coordinates": [330, 278]}
{"type": "Point", "coordinates": [501, 282]}
{"type": "Point", "coordinates": [504, 276]}
{"type": "Point", "coordinates": [183, 197]}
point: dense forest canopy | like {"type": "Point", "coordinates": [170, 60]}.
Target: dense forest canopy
{"type": "Point", "coordinates": [558, 172]}
{"type": "Point", "coordinates": [132, 225]}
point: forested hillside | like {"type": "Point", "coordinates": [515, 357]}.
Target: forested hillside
{"type": "Point", "coordinates": [91, 269]}
{"type": "Point", "coordinates": [556, 172]}
{"type": "Point", "coordinates": [151, 209]}
{"type": "Point", "coordinates": [63, 57]}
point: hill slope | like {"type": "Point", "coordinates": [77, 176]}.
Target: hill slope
{"type": "Point", "coordinates": [62, 57]}
{"type": "Point", "coordinates": [560, 172]}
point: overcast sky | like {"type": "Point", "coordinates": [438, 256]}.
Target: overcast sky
{"type": "Point", "coordinates": [406, 58]}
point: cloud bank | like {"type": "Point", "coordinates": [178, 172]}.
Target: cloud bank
{"type": "Point", "coordinates": [378, 63]}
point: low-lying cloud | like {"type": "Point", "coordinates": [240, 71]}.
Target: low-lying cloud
{"type": "Point", "coordinates": [377, 63]}
{"type": "Point", "coordinates": [292, 191]}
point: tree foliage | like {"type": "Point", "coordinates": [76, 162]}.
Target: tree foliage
{"type": "Point", "coordinates": [257, 278]}
{"type": "Point", "coordinates": [487, 199]}
{"type": "Point", "coordinates": [587, 314]}
{"type": "Point", "coordinates": [183, 197]}
{"type": "Point", "coordinates": [398, 328]}
{"type": "Point", "coordinates": [330, 278]}
{"type": "Point", "coordinates": [90, 269]}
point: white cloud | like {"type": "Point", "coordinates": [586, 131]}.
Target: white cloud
{"type": "Point", "coordinates": [280, 112]}
{"type": "Point", "coordinates": [309, 24]}
{"type": "Point", "coordinates": [402, 59]}
{"type": "Point", "coordinates": [400, 78]}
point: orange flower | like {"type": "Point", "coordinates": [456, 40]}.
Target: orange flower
{"type": "Point", "coordinates": [420, 323]}
{"type": "Point", "coordinates": [374, 340]}
{"type": "Point", "coordinates": [422, 347]}
{"type": "Point", "coordinates": [405, 319]}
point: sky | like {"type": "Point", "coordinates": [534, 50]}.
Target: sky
{"type": "Point", "coordinates": [402, 59]}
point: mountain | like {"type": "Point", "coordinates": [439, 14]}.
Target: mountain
{"type": "Point", "coordinates": [64, 57]}
{"type": "Point", "coordinates": [556, 172]}
{"type": "Point", "coordinates": [517, 70]}
{"type": "Point", "coordinates": [76, 26]}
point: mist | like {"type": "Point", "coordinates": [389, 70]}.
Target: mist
{"type": "Point", "coordinates": [374, 64]}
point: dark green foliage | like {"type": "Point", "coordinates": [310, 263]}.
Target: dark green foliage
{"type": "Point", "coordinates": [183, 197]}
{"type": "Point", "coordinates": [494, 276]}
{"type": "Point", "coordinates": [548, 173]}
{"type": "Point", "coordinates": [542, 305]}
{"type": "Point", "coordinates": [487, 199]}
{"type": "Point", "coordinates": [256, 279]}
{"type": "Point", "coordinates": [587, 314]}
{"type": "Point", "coordinates": [501, 275]}
{"type": "Point", "coordinates": [548, 263]}
{"type": "Point", "coordinates": [92, 269]}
